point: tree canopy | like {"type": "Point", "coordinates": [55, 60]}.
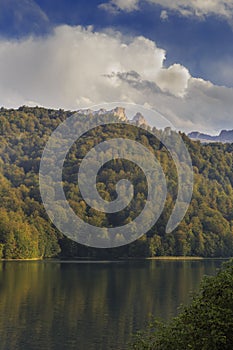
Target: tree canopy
{"type": "Point", "coordinates": [205, 324]}
{"type": "Point", "coordinates": [26, 231]}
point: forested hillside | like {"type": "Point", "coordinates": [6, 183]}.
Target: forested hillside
{"type": "Point", "coordinates": [26, 231]}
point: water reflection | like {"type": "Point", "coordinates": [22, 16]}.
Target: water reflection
{"type": "Point", "coordinates": [75, 305]}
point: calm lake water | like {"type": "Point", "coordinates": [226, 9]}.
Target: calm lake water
{"type": "Point", "coordinates": [72, 305]}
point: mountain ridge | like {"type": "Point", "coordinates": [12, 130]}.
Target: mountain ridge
{"type": "Point", "coordinates": [225, 136]}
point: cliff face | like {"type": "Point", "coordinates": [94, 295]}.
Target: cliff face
{"type": "Point", "coordinates": [118, 112]}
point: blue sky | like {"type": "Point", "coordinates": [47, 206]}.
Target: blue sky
{"type": "Point", "coordinates": [195, 38]}
{"type": "Point", "coordinates": [197, 43]}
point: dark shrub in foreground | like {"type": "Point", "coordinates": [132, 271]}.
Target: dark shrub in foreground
{"type": "Point", "coordinates": [207, 324]}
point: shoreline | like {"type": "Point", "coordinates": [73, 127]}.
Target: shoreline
{"type": "Point", "coordinates": [88, 259]}
{"type": "Point", "coordinates": [28, 259]}
{"type": "Point", "coordinates": [186, 258]}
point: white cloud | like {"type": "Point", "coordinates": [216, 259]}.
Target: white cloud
{"type": "Point", "coordinates": [197, 8]}
{"type": "Point", "coordinates": [164, 15]}
{"type": "Point", "coordinates": [72, 63]}
{"type": "Point", "coordinates": [120, 5]}
{"type": "Point", "coordinates": [174, 79]}
{"type": "Point", "coordinates": [76, 67]}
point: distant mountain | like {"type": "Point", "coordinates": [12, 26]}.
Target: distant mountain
{"type": "Point", "coordinates": [225, 136]}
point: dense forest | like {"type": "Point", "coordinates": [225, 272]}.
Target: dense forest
{"type": "Point", "coordinates": [26, 231]}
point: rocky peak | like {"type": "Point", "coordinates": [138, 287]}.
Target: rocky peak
{"type": "Point", "coordinates": [100, 112]}
{"type": "Point", "coordinates": [120, 113]}
{"type": "Point", "coordinates": [139, 119]}
{"type": "Point", "coordinates": [85, 111]}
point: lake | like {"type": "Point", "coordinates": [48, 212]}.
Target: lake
{"type": "Point", "coordinates": [72, 305]}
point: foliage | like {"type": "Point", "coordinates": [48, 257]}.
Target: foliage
{"type": "Point", "coordinates": [25, 230]}
{"type": "Point", "coordinates": [205, 324]}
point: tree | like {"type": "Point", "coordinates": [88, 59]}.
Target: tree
{"type": "Point", "coordinates": [206, 323]}
{"type": "Point", "coordinates": [207, 229]}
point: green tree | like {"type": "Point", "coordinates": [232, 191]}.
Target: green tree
{"type": "Point", "coordinates": [206, 323]}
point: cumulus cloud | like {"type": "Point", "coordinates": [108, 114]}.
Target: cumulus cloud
{"type": "Point", "coordinates": [75, 67]}
{"type": "Point", "coordinates": [174, 79]}
{"type": "Point", "coordinates": [205, 106]}
{"type": "Point", "coordinates": [115, 6]}
{"type": "Point", "coordinates": [198, 8]}
{"type": "Point", "coordinates": [70, 66]}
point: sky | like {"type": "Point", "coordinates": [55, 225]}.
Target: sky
{"type": "Point", "coordinates": [173, 56]}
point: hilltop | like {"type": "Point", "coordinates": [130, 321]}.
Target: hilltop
{"type": "Point", "coordinates": [26, 231]}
